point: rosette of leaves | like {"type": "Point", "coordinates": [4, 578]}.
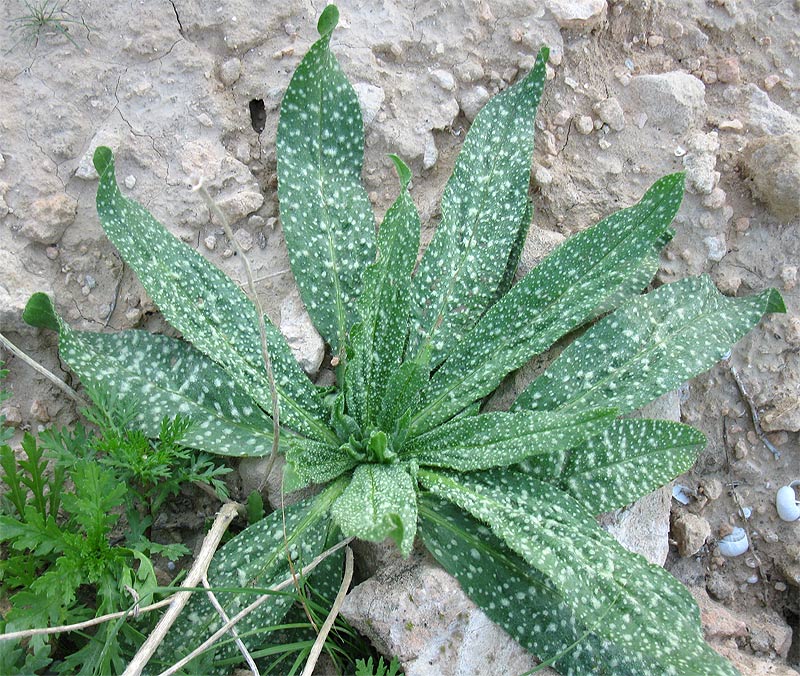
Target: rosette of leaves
{"type": "Point", "coordinates": [505, 501]}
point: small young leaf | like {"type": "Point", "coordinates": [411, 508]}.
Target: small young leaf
{"type": "Point", "coordinates": [402, 392]}
{"type": "Point", "coordinates": [206, 306]}
{"type": "Point", "coordinates": [312, 462]}
{"type": "Point", "coordinates": [483, 206]}
{"type": "Point", "coordinates": [501, 439]}
{"type": "Point", "coordinates": [649, 615]}
{"type": "Point", "coordinates": [554, 298]}
{"type": "Point", "coordinates": [379, 340]}
{"type": "Point", "coordinates": [647, 348]}
{"type": "Point", "coordinates": [325, 213]}
{"type": "Point", "coordinates": [380, 502]}
{"type": "Point", "coordinates": [165, 377]}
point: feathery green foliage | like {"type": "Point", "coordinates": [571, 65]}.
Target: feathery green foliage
{"type": "Point", "coordinates": [504, 500]}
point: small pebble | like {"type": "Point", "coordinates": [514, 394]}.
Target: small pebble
{"type": "Point", "coordinates": [130, 182]}
{"type": "Point", "coordinates": [230, 71]}
{"type": "Point", "coordinates": [771, 81]}
{"type": "Point", "coordinates": [715, 199]}
{"type": "Point", "coordinates": [51, 252]}
{"type": "Point", "coordinates": [444, 79]}
{"type": "Point", "coordinates": [205, 120]}
{"type": "Point", "coordinates": [90, 281]}
{"type": "Point", "coordinates": [39, 411]}
{"type": "Point", "coordinates": [728, 70]}
{"type": "Point", "coordinates": [655, 41]}
{"type": "Point", "coordinates": [210, 242]}
{"type": "Point", "coordinates": [562, 117]}
{"type": "Point", "coordinates": [571, 83]}
{"type": "Point", "coordinates": [227, 253]}
{"type": "Point", "coordinates": [731, 125]}
{"type": "Point", "coordinates": [244, 239]}
{"type": "Point", "coordinates": [542, 176]}
{"type": "Point", "coordinates": [584, 124]}
{"type": "Point", "coordinates": [742, 224]}
{"type": "Point", "coordinates": [605, 145]}
{"type": "Point", "coordinates": [640, 120]}
{"type": "Point", "coordinates": [780, 586]}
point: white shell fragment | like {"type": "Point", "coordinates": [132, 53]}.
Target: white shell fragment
{"type": "Point", "coordinates": [682, 494]}
{"type": "Point", "coordinates": [787, 504]}
{"type": "Point", "coordinates": [735, 543]}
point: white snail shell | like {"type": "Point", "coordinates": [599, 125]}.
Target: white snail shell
{"type": "Point", "coordinates": [786, 503]}
{"type": "Point", "coordinates": [735, 543]}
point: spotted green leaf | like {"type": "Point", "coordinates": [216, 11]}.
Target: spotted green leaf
{"type": "Point", "coordinates": [647, 614]}
{"type": "Point", "coordinates": [516, 596]}
{"type": "Point", "coordinates": [647, 348]}
{"type": "Point", "coordinates": [500, 439]}
{"type": "Point", "coordinates": [516, 253]}
{"type": "Point", "coordinates": [256, 557]}
{"type": "Point", "coordinates": [558, 295]}
{"type": "Point", "coordinates": [205, 305]}
{"type": "Point", "coordinates": [312, 462]}
{"type": "Point", "coordinates": [165, 377]}
{"type": "Point", "coordinates": [483, 206]}
{"type": "Point", "coordinates": [402, 393]}
{"type": "Point", "coordinates": [326, 217]}
{"type": "Point", "coordinates": [379, 502]}
{"type": "Point", "coordinates": [379, 340]}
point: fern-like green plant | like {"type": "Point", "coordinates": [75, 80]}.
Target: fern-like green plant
{"type": "Point", "coordinates": [505, 501]}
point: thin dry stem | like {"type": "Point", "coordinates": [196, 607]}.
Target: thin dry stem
{"type": "Point", "coordinates": [316, 649]}
{"type": "Point", "coordinates": [224, 517]}
{"type": "Point", "coordinates": [249, 609]}
{"type": "Point", "coordinates": [262, 326]}
{"type": "Point", "coordinates": [36, 366]}
{"type": "Point", "coordinates": [753, 411]}
{"type": "Point", "coordinates": [239, 643]}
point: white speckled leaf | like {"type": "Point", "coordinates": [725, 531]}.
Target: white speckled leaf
{"type": "Point", "coordinates": [516, 253]}
{"type": "Point", "coordinates": [209, 310]}
{"type": "Point", "coordinates": [554, 298]}
{"type": "Point", "coordinates": [528, 607]}
{"type": "Point", "coordinates": [483, 204]}
{"type": "Point", "coordinates": [380, 502]}
{"type": "Point", "coordinates": [500, 439]}
{"type": "Point", "coordinates": [326, 217]}
{"type": "Point", "coordinates": [312, 462]}
{"type": "Point", "coordinates": [647, 348]}
{"type": "Point", "coordinates": [256, 557]}
{"type": "Point", "coordinates": [402, 392]}
{"type": "Point", "coordinates": [165, 377]}
{"type": "Point", "coordinates": [647, 614]}
{"type": "Point", "coordinates": [379, 340]}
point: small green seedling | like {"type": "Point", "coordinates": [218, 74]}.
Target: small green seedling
{"type": "Point", "coordinates": [505, 501]}
{"type": "Point", "coordinates": [45, 16]}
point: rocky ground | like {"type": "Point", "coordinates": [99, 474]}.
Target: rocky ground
{"type": "Point", "coordinates": [636, 90]}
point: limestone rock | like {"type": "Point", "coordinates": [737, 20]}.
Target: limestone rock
{"type": "Point", "coordinates": [674, 102]}
{"type": "Point", "coordinates": [581, 15]}
{"type": "Point", "coordinates": [610, 111]}
{"type": "Point", "coordinates": [700, 161]}
{"type": "Point", "coordinates": [303, 338]}
{"type": "Point", "coordinates": [690, 532]}
{"type": "Point", "coordinates": [371, 98]}
{"type": "Point", "coordinates": [49, 217]}
{"type": "Point", "coordinates": [415, 610]}
{"type": "Point", "coordinates": [773, 165]}
{"type": "Point", "coordinates": [473, 100]}
{"type": "Point", "coordinates": [538, 245]}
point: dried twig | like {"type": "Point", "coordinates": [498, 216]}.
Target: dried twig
{"type": "Point", "coordinates": [224, 517]}
{"type": "Point", "coordinates": [753, 410]}
{"type": "Point", "coordinates": [249, 609]}
{"type": "Point", "coordinates": [316, 649]}
{"type": "Point", "coordinates": [262, 326]}
{"type": "Point", "coordinates": [239, 643]}
{"type": "Point", "coordinates": [36, 366]}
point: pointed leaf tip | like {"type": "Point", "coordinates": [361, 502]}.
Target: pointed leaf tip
{"type": "Point", "coordinates": [103, 159]}
{"type": "Point", "coordinates": [775, 302]}
{"type": "Point", "coordinates": [39, 312]}
{"type": "Point", "coordinates": [402, 170]}
{"type": "Point", "coordinates": [328, 20]}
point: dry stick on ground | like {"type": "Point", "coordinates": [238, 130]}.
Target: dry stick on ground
{"type": "Point", "coordinates": [249, 609]}
{"type": "Point", "coordinates": [262, 327]}
{"type": "Point", "coordinates": [224, 517]}
{"type": "Point", "coordinates": [239, 643]}
{"type": "Point", "coordinates": [316, 649]}
{"type": "Point", "coordinates": [72, 394]}
{"type": "Point", "coordinates": [753, 410]}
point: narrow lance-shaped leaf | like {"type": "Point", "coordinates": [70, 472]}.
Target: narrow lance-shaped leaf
{"type": "Point", "coordinates": [483, 204]}
{"type": "Point", "coordinates": [204, 304]}
{"type": "Point", "coordinates": [629, 459]}
{"type": "Point", "coordinates": [648, 347]}
{"type": "Point", "coordinates": [165, 377]}
{"type": "Point", "coordinates": [648, 614]}
{"type": "Point", "coordinates": [380, 339]}
{"type": "Point", "coordinates": [500, 439]}
{"type": "Point", "coordinates": [325, 213]}
{"type": "Point", "coordinates": [555, 297]}
{"type": "Point", "coordinates": [379, 502]}
{"type": "Point", "coordinates": [256, 557]}
{"type": "Point", "coordinates": [312, 462]}
{"type": "Point", "coordinates": [516, 596]}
